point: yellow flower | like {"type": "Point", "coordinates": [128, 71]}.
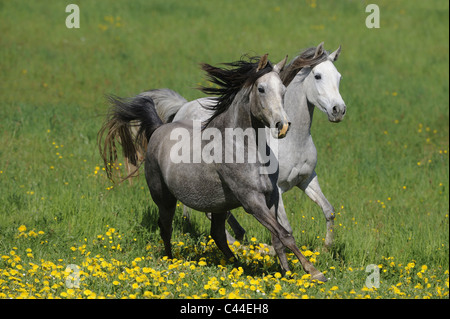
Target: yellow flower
{"type": "Point", "coordinates": [146, 270]}
{"type": "Point", "coordinates": [410, 265]}
{"type": "Point", "coordinates": [277, 288]}
{"type": "Point", "coordinates": [22, 228]}
{"type": "Point", "coordinates": [306, 277]}
{"type": "Point", "coordinates": [87, 292]}
{"type": "Point", "coordinates": [232, 295]}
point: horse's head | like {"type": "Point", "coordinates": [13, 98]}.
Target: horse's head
{"type": "Point", "coordinates": [321, 86]}
{"type": "Point", "coordinates": [258, 83]}
{"type": "Point", "coordinates": [267, 99]}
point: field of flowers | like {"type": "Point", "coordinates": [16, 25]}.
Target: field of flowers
{"type": "Point", "coordinates": [68, 232]}
{"type": "Point", "coordinates": [83, 274]}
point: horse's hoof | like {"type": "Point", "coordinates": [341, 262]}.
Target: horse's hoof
{"type": "Point", "coordinates": [319, 276]}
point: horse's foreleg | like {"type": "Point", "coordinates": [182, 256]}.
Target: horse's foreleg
{"type": "Point", "coordinates": [281, 214]}
{"type": "Point", "coordinates": [261, 212]}
{"type": "Point", "coordinates": [279, 250]}
{"type": "Point", "coordinates": [282, 219]}
{"type": "Point", "coordinates": [313, 191]}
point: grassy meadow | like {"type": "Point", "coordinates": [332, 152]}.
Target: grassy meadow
{"type": "Point", "coordinates": [66, 231]}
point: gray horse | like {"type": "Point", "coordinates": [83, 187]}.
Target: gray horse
{"type": "Point", "coordinates": [250, 98]}
{"type": "Point", "coordinates": [311, 80]}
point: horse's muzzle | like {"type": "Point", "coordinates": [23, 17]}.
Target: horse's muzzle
{"type": "Point", "coordinates": [283, 128]}
{"type": "Point", "coordinates": [338, 113]}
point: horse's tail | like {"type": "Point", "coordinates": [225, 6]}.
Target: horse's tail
{"type": "Point", "coordinates": [126, 116]}
{"type": "Point", "coordinates": [167, 103]}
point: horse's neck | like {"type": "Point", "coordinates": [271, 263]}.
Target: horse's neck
{"type": "Point", "coordinates": [238, 114]}
{"type": "Point", "coordinates": [299, 111]}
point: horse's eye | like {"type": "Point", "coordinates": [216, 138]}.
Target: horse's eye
{"type": "Point", "coordinates": [261, 89]}
{"type": "Point", "coordinates": [317, 76]}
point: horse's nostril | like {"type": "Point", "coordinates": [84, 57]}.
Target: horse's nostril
{"type": "Point", "coordinates": [279, 126]}
{"type": "Point", "coordinates": [345, 110]}
{"type": "Point", "coordinates": [335, 110]}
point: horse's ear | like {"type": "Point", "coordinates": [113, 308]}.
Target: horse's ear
{"type": "Point", "coordinates": [280, 65]}
{"type": "Point", "coordinates": [319, 50]}
{"type": "Point", "coordinates": [334, 56]}
{"type": "Point", "coordinates": [262, 62]}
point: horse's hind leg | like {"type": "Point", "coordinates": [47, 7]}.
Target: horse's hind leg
{"type": "Point", "coordinates": [187, 215]}
{"type": "Point", "coordinates": [167, 204]}
{"type": "Point", "coordinates": [165, 226]}
{"type": "Point", "coordinates": [238, 230]}
{"type": "Point", "coordinates": [218, 233]}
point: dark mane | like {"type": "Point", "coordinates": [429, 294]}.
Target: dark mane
{"type": "Point", "coordinates": [229, 81]}
{"type": "Point", "coordinates": [305, 58]}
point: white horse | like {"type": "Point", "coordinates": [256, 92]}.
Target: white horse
{"type": "Point", "coordinates": [311, 80]}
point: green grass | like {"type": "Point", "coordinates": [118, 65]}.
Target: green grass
{"type": "Point", "coordinates": [385, 168]}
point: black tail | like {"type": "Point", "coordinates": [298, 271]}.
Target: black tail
{"type": "Point", "coordinates": [125, 116]}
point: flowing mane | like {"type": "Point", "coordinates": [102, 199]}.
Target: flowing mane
{"type": "Point", "coordinates": [309, 57]}
{"type": "Point", "coordinates": [229, 81]}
